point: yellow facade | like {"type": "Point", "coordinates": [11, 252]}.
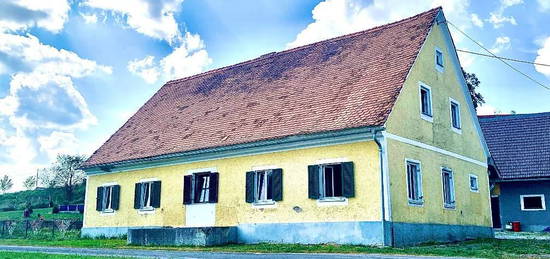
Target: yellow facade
{"type": "Point", "coordinates": [472, 208]}
{"type": "Point", "coordinates": [231, 208]}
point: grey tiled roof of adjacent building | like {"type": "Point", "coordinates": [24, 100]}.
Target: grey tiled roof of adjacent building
{"type": "Point", "coordinates": [519, 144]}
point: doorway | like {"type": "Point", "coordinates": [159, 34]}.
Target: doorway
{"type": "Point", "coordinates": [495, 211]}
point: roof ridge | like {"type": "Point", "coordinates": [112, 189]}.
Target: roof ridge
{"type": "Point", "coordinates": [512, 116]}
{"type": "Point", "coordinates": [276, 53]}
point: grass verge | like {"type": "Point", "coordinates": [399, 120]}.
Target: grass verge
{"type": "Point", "coordinates": [481, 248]}
{"type": "Point", "coordinates": [46, 212]}
{"type": "Point", "coordinates": [21, 255]}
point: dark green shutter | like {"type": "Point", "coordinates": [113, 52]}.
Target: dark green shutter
{"type": "Point", "coordinates": [313, 181]}
{"type": "Point", "coordinates": [155, 194]}
{"type": "Point", "coordinates": [116, 197]}
{"type": "Point", "coordinates": [137, 196]}
{"type": "Point", "coordinates": [213, 190]}
{"type": "Point", "coordinates": [250, 187]}
{"type": "Point", "coordinates": [348, 181]}
{"type": "Point", "coordinates": [187, 199]}
{"type": "Point", "coordinates": [277, 184]}
{"type": "Point", "coordinates": [99, 199]}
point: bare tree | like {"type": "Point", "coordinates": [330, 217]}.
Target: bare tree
{"type": "Point", "coordinates": [5, 183]}
{"type": "Point", "coordinates": [30, 182]}
{"type": "Point", "coordinates": [67, 173]}
{"type": "Point", "coordinates": [46, 178]}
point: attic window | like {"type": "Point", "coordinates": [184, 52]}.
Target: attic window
{"type": "Point", "coordinates": [426, 102]}
{"type": "Point", "coordinates": [455, 116]}
{"type": "Point", "coordinates": [439, 60]}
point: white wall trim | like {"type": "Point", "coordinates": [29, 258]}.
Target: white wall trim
{"type": "Point", "coordinates": [264, 167]}
{"type": "Point", "coordinates": [435, 149]}
{"type": "Point", "coordinates": [332, 160]}
{"type": "Point", "coordinates": [145, 180]}
{"type": "Point", "coordinates": [108, 184]}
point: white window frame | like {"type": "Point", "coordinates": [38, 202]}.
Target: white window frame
{"type": "Point", "coordinates": [440, 68]}
{"type": "Point", "coordinates": [430, 101]}
{"type": "Point", "coordinates": [257, 199]}
{"type": "Point", "coordinates": [322, 195]}
{"type": "Point", "coordinates": [420, 201]}
{"type": "Point", "coordinates": [532, 195]}
{"type": "Point", "coordinates": [452, 194]}
{"type": "Point", "coordinates": [451, 102]}
{"type": "Point", "coordinates": [470, 177]}
{"type": "Point", "coordinates": [107, 208]}
{"type": "Point", "coordinates": [146, 207]}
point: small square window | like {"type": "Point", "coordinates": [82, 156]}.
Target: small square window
{"type": "Point", "coordinates": [439, 60]}
{"type": "Point", "coordinates": [533, 202]}
{"type": "Point", "coordinates": [425, 102]}
{"type": "Point", "coordinates": [455, 115]}
{"type": "Point", "coordinates": [473, 183]}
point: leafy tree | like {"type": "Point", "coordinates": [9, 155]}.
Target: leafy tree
{"type": "Point", "coordinates": [67, 173]}
{"type": "Point", "coordinates": [473, 82]}
{"type": "Point", "coordinates": [5, 183]}
{"type": "Point", "coordinates": [46, 178]}
{"type": "Point", "coordinates": [30, 182]}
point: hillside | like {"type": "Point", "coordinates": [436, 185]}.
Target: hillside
{"type": "Point", "coordinates": [39, 198]}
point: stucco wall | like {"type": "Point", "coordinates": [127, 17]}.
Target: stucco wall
{"type": "Point", "coordinates": [510, 205]}
{"type": "Point", "coordinates": [472, 208]}
{"type": "Point", "coordinates": [405, 119]}
{"type": "Point", "coordinates": [232, 208]}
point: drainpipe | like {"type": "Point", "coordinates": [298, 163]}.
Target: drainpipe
{"type": "Point", "coordinates": [386, 228]}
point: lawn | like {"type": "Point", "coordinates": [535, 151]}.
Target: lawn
{"type": "Point", "coordinates": [482, 248]}
{"type": "Point", "coordinates": [46, 212]}
{"type": "Point", "coordinates": [9, 255]}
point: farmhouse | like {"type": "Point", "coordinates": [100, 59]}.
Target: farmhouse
{"type": "Point", "coordinates": [520, 173]}
{"type": "Point", "coordinates": [368, 138]}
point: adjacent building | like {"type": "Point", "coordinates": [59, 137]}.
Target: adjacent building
{"type": "Point", "coordinates": [520, 170]}
{"type": "Point", "coordinates": [368, 138]}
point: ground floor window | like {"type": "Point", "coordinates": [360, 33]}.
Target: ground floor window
{"type": "Point", "coordinates": [200, 188]}
{"type": "Point", "coordinates": [108, 198]}
{"type": "Point", "coordinates": [448, 188]}
{"type": "Point", "coordinates": [264, 186]}
{"type": "Point", "coordinates": [414, 182]}
{"type": "Point", "coordinates": [331, 181]}
{"type": "Point", "coordinates": [474, 186]}
{"type": "Point", "coordinates": [147, 195]}
{"type": "Point", "coordinates": [532, 202]}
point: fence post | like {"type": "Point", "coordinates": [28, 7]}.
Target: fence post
{"type": "Point", "coordinates": [53, 227]}
{"type": "Point", "coordinates": [26, 227]}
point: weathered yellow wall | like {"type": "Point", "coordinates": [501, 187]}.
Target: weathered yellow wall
{"type": "Point", "coordinates": [405, 121]}
{"type": "Point", "coordinates": [232, 208]}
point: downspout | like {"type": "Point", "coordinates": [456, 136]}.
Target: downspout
{"type": "Point", "coordinates": [387, 229]}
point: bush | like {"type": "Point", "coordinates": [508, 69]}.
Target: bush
{"type": "Point", "coordinates": [55, 209]}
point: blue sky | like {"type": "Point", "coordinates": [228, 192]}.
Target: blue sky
{"type": "Point", "coordinates": [72, 72]}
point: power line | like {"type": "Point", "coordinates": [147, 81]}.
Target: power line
{"type": "Point", "coordinates": [499, 58]}
{"type": "Point", "coordinates": [505, 58]}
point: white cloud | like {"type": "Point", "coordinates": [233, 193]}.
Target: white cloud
{"type": "Point", "coordinates": [501, 43]}
{"type": "Point", "coordinates": [58, 143]}
{"type": "Point", "coordinates": [543, 56]}
{"type": "Point", "coordinates": [497, 17]}
{"type": "Point", "coordinates": [188, 59]}
{"type": "Point", "coordinates": [337, 17]}
{"type": "Point", "coordinates": [145, 68]}
{"type": "Point", "coordinates": [149, 17]}
{"type": "Point", "coordinates": [544, 5]}
{"type": "Point", "coordinates": [89, 18]}
{"type": "Point", "coordinates": [476, 20]}
{"type": "Point", "coordinates": [17, 15]}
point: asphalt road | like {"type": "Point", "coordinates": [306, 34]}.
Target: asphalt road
{"type": "Point", "coordinates": [192, 255]}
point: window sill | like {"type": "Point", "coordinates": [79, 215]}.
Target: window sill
{"type": "Point", "coordinates": [427, 118]}
{"type": "Point", "coordinates": [150, 210]}
{"type": "Point", "coordinates": [440, 68]}
{"type": "Point", "coordinates": [333, 201]}
{"type": "Point", "coordinates": [109, 211]}
{"type": "Point", "coordinates": [416, 203]}
{"type": "Point", "coordinates": [533, 209]}
{"type": "Point", "coordinates": [265, 205]}
{"type": "Point", "coordinates": [449, 207]}
{"type": "Point", "coordinates": [474, 190]}
{"type": "Point", "coordinates": [457, 131]}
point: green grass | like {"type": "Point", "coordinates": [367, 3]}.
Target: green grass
{"type": "Point", "coordinates": [46, 212]}
{"type": "Point", "coordinates": [9, 255]}
{"type": "Point", "coordinates": [482, 248]}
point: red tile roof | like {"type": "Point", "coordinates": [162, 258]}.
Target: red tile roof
{"type": "Point", "coordinates": [345, 82]}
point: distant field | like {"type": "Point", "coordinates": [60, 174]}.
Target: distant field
{"type": "Point", "coordinates": [47, 213]}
